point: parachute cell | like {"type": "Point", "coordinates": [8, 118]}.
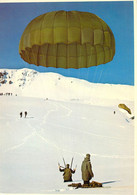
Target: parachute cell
{"type": "Point", "coordinates": [67, 39]}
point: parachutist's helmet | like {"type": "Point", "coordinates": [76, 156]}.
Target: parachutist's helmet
{"type": "Point", "coordinates": [67, 166]}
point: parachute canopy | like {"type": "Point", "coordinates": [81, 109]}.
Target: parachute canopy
{"type": "Point", "coordinates": [123, 106]}
{"type": "Point", "coordinates": [67, 39]}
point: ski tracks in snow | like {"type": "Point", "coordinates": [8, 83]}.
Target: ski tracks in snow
{"type": "Point", "coordinates": [69, 111]}
{"type": "Point", "coordinates": [37, 132]}
{"type": "Point", "coordinates": [25, 139]}
{"type": "Point", "coordinates": [57, 106]}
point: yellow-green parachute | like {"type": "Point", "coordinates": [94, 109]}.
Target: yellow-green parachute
{"type": "Point", "coordinates": [67, 39]}
{"type": "Point", "coordinates": [123, 106]}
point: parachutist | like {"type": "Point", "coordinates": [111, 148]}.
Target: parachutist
{"type": "Point", "coordinates": [86, 169]}
{"type": "Point", "coordinates": [67, 175]}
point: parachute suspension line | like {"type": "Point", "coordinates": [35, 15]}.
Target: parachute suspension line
{"type": "Point", "coordinates": [78, 68]}
{"type": "Point", "coordinates": [68, 69]}
{"type": "Point", "coordinates": [64, 163]}
{"type": "Point", "coordinates": [79, 74]}
{"type": "Point", "coordinates": [101, 67]}
{"type": "Point", "coordinates": [87, 74]}
{"type": "Point", "coordinates": [100, 75]}
{"type": "Point", "coordinates": [94, 76]}
{"type": "Point", "coordinates": [86, 61]}
{"type": "Point", "coordinates": [71, 162]}
{"type": "Point", "coordinates": [86, 55]}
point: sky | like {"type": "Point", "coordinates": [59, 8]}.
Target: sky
{"type": "Point", "coordinates": [119, 15]}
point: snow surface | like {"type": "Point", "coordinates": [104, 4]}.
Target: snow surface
{"type": "Point", "coordinates": [67, 117]}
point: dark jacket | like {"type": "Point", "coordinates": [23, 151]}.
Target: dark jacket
{"type": "Point", "coordinates": [67, 175]}
{"type": "Point", "coordinates": [86, 169]}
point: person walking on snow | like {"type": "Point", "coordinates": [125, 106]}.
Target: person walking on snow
{"type": "Point", "coordinates": [25, 114]}
{"type": "Point", "coordinates": [67, 175]}
{"type": "Point", "coordinates": [86, 169]}
{"type": "Point", "coordinates": [20, 114]}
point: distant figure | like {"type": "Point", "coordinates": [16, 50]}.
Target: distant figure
{"type": "Point", "coordinates": [67, 175]}
{"type": "Point", "coordinates": [86, 170]}
{"type": "Point", "coordinates": [26, 114]}
{"type": "Point", "coordinates": [20, 114]}
{"type": "Point", "coordinates": [114, 112]}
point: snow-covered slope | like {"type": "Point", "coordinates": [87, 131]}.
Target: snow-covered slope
{"type": "Point", "coordinates": [66, 117]}
{"type": "Point", "coordinates": [29, 83]}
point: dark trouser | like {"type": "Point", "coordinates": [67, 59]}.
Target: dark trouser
{"type": "Point", "coordinates": [86, 182]}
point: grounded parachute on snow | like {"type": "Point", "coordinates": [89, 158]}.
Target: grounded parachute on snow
{"type": "Point", "coordinates": [123, 106]}
{"type": "Point", "coordinates": [67, 39]}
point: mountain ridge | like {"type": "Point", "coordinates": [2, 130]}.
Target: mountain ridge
{"type": "Point", "coordinates": [31, 83]}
